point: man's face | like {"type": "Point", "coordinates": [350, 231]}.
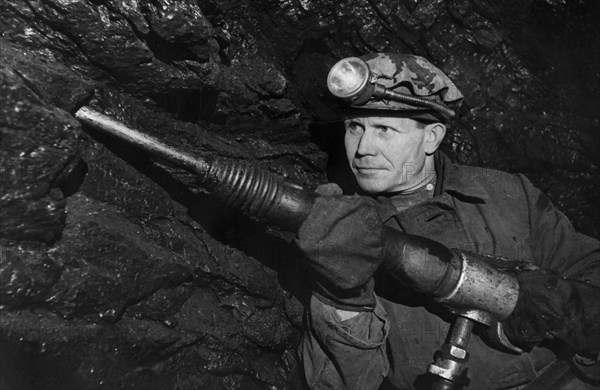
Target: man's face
{"type": "Point", "coordinates": [386, 154]}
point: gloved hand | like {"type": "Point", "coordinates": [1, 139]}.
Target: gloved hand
{"type": "Point", "coordinates": [342, 241]}
{"type": "Point", "coordinates": [551, 306]}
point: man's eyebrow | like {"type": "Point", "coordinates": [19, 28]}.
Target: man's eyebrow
{"type": "Point", "coordinates": [385, 124]}
{"type": "Point", "coordinates": [352, 120]}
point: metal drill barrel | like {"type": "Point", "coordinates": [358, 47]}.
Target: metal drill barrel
{"type": "Point", "coordinates": [259, 193]}
{"type": "Point", "coordinates": [106, 124]}
{"type": "Point", "coordinates": [248, 188]}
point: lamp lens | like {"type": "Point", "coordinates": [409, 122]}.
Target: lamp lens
{"type": "Point", "coordinates": [348, 77]}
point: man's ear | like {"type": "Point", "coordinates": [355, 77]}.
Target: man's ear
{"type": "Point", "coordinates": [434, 134]}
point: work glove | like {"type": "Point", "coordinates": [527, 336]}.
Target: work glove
{"type": "Point", "coordinates": [342, 242]}
{"type": "Point", "coordinates": [554, 307]}
{"type": "Point", "coordinates": [345, 243]}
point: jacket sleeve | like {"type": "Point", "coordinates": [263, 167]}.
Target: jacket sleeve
{"type": "Point", "coordinates": [346, 354]}
{"type": "Point", "coordinates": [558, 301]}
{"type": "Point", "coordinates": [555, 243]}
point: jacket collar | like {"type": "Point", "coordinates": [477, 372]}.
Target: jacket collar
{"type": "Point", "coordinates": [460, 181]}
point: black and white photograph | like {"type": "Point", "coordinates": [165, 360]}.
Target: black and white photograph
{"type": "Point", "coordinates": [299, 195]}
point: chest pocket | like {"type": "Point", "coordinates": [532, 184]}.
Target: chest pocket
{"type": "Point", "coordinates": [437, 220]}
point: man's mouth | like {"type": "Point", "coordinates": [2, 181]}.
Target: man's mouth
{"type": "Point", "coordinates": [361, 168]}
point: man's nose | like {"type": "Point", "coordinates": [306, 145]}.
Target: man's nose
{"type": "Point", "coordinates": [366, 144]}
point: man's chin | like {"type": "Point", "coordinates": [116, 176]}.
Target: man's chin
{"type": "Point", "coordinates": [372, 185]}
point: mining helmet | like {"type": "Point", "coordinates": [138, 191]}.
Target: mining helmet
{"type": "Point", "coordinates": [393, 81]}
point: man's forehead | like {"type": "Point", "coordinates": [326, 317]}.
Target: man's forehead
{"type": "Point", "coordinates": [379, 119]}
{"type": "Point", "coordinates": [419, 116]}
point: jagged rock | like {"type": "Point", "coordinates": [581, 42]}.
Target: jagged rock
{"type": "Point", "coordinates": [39, 154]}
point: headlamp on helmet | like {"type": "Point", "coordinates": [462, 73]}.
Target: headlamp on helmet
{"type": "Point", "coordinates": [351, 80]}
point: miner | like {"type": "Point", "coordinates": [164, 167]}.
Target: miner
{"type": "Point", "coordinates": [436, 246]}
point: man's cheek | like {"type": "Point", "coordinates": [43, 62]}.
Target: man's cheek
{"type": "Point", "coordinates": [350, 145]}
{"type": "Point", "coordinates": [409, 169]}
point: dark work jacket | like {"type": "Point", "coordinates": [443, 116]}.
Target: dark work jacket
{"type": "Point", "coordinates": [475, 209]}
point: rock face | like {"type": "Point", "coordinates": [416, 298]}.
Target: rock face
{"type": "Point", "coordinates": [120, 272]}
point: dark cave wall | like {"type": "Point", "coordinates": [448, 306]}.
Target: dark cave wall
{"type": "Point", "coordinates": [117, 271]}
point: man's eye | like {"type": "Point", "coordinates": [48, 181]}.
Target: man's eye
{"type": "Point", "coordinates": [385, 129]}
{"type": "Point", "coordinates": [352, 127]}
